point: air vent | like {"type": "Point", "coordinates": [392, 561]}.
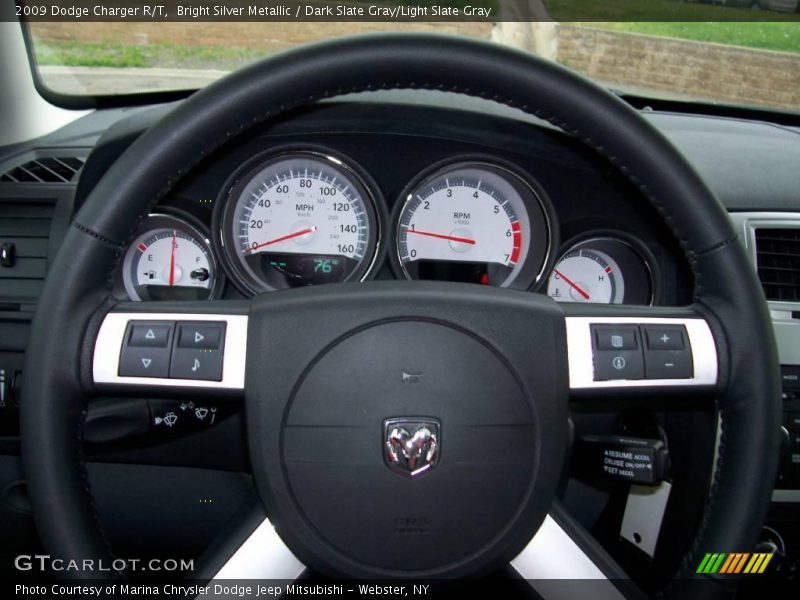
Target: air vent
{"type": "Point", "coordinates": [778, 260]}
{"type": "Point", "coordinates": [50, 169]}
{"type": "Point", "coordinates": [24, 235]}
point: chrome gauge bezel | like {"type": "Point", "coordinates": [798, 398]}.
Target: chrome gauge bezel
{"type": "Point", "coordinates": [165, 220]}
{"type": "Point", "coordinates": [225, 208]}
{"type": "Point", "coordinates": [540, 213]}
{"type": "Point", "coordinates": [631, 243]}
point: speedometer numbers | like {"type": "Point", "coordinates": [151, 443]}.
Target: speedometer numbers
{"type": "Point", "coordinates": [473, 222]}
{"type": "Point", "coordinates": [297, 219]}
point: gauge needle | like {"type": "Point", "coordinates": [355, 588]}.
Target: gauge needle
{"type": "Point", "coordinates": [574, 285]}
{"type": "Point", "coordinates": [451, 238]}
{"type": "Point", "coordinates": [282, 238]}
{"type": "Point", "coordinates": [172, 259]}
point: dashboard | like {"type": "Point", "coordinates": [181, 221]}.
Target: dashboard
{"type": "Point", "coordinates": [378, 187]}
{"type": "Point", "coordinates": [481, 203]}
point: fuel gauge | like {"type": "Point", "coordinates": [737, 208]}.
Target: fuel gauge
{"type": "Point", "coordinates": [169, 259]}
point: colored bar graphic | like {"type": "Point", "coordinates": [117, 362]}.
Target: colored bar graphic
{"type": "Point", "coordinates": [733, 563]}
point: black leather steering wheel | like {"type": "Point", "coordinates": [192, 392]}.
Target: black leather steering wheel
{"type": "Point", "coordinates": [531, 347]}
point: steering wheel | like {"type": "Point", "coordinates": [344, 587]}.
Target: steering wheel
{"type": "Point", "coordinates": [477, 442]}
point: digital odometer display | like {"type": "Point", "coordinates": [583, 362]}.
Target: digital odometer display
{"type": "Point", "coordinates": [297, 219]}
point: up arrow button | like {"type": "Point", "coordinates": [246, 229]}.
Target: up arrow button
{"type": "Point", "coordinates": [150, 335]}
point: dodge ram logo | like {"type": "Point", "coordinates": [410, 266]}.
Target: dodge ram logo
{"type": "Point", "coordinates": [411, 445]}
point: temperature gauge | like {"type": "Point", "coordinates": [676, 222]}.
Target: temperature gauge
{"type": "Point", "coordinates": [604, 270]}
{"type": "Point", "coordinates": [587, 276]}
{"type": "Point", "coordinates": [169, 260]}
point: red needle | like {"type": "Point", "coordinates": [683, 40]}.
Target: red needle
{"type": "Point", "coordinates": [172, 260]}
{"type": "Point", "coordinates": [574, 285]}
{"type": "Point", "coordinates": [282, 238]}
{"type": "Point", "coordinates": [440, 236]}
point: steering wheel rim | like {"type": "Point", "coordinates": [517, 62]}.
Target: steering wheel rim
{"type": "Point", "coordinates": [77, 293]}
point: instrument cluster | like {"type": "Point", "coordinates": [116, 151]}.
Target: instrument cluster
{"type": "Point", "coordinates": [302, 216]}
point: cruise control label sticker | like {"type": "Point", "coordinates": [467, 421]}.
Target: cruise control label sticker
{"type": "Point", "coordinates": [633, 465]}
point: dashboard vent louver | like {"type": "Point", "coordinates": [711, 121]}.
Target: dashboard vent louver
{"type": "Point", "coordinates": [50, 169]}
{"type": "Point", "coordinates": [778, 262]}
{"type": "Point", "coordinates": [24, 236]}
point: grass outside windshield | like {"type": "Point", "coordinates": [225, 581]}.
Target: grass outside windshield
{"type": "Point", "coordinates": [749, 63]}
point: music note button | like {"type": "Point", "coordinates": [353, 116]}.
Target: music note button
{"type": "Point", "coordinates": [188, 363]}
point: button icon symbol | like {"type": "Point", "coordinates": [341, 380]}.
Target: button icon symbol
{"type": "Point", "coordinates": [616, 341]}
{"type": "Point", "coordinates": [168, 419]}
{"type": "Point", "coordinates": [664, 338]}
{"type": "Point", "coordinates": [150, 335]}
{"type": "Point", "coordinates": [196, 365]}
{"type": "Point", "coordinates": [618, 363]}
{"type": "Point", "coordinates": [198, 337]}
{"type": "Point", "coordinates": [201, 413]}
{"type": "Point", "coordinates": [146, 362]}
{"type": "Point", "coordinates": [411, 377]}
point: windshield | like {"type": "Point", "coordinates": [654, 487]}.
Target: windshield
{"type": "Point", "coordinates": [723, 58]}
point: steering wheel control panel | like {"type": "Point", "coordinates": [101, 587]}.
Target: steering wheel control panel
{"type": "Point", "coordinates": [171, 349]}
{"type": "Point", "coordinates": [641, 352]}
{"type": "Point", "coordinates": [630, 352]}
{"type": "Point", "coordinates": [176, 350]}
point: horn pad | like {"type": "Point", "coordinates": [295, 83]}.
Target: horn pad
{"type": "Point", "coordinates": [413, 447]}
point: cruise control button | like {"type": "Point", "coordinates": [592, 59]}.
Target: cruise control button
{"type": "Point", "coordinates": [790, 376]}
{"type": "Point", "coordinates": [149, 335]}
{"type": "Point", "coordinates": [200, 335]}
{"type": "Point", "coordinates": [188, 363]}
{"type": "Point", "coordinates": [668, 364]}
{"type": "Point", "coordinates": [613, 337]}
{"type": "Point", "coordinates": [793, 421]}
{"type": "Point", "coordinates": [622, 364]}
{"type": "Point", "coordinates": [665, 337]}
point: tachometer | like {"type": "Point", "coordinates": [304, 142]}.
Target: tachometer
{"type": "Point", "coordinates": [473, 222]}
{"type": "Point", "coordinates": [300, 218]}
{"type": "Point", "coordinates": [169, 260]}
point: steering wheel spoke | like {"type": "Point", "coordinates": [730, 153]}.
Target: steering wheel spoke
{"type": "Point", "coordinates": [563, 558]}
{"type": "Point", "coordinates": [172, 349]}
{"type": "Point", "coordinates": [617, 350]}
{"type": "Point", "coordinates": [250, 550]}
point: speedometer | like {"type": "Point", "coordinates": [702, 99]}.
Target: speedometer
{"type": "Point", "coordinates": [474, 222]}
{"type": "Point", "coordinates": [300, 218]}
